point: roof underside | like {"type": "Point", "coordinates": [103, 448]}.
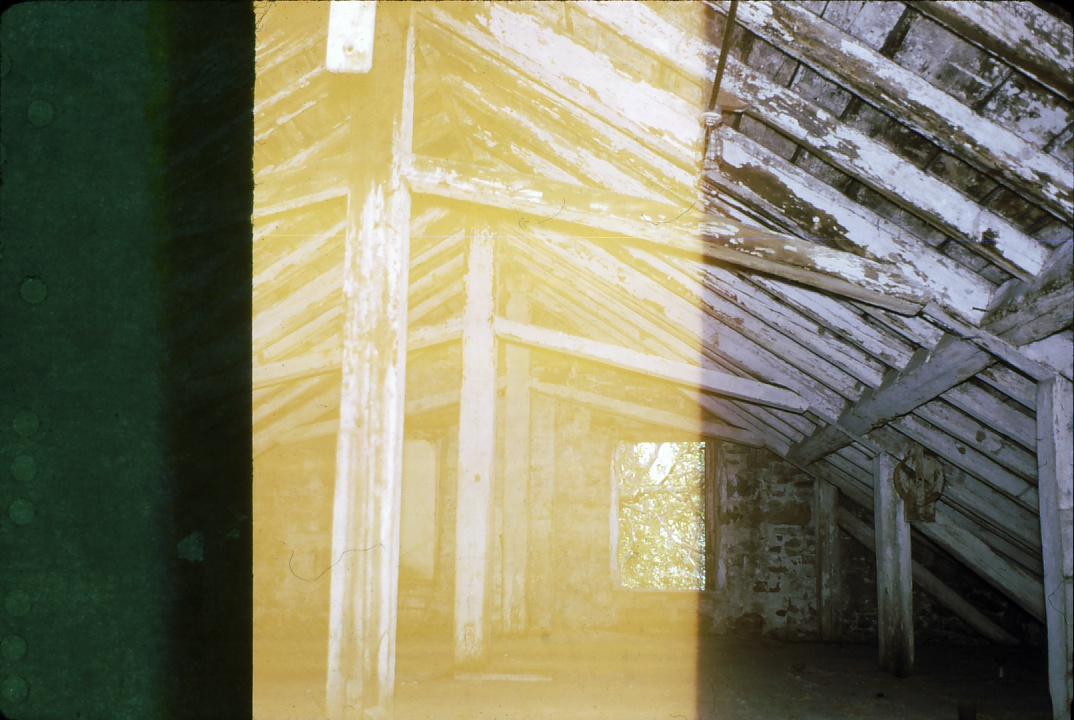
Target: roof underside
{"type": "Point", "coordinates": [934, 137]}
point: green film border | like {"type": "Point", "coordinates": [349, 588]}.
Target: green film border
{"type": "Point", "coordinates": [125, 473]}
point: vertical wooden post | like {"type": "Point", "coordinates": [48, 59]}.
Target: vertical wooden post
{"type": "Point", "coordinates": [829, 566]}
{"type": "Point", "coordinates": [540, 586]}
{"type": "Point", "coordinates": [894, 578]}
{"type": "Point", "coordinates": [712, 515]}
{"type": "Point", "coordinates": [1055, 470]}
{"type": "Point", "coordinates": [369, 454]}
{"type": "Point", "coordinates": [516, 469]}
{"type": "Point", "coordinates": [477, 452]}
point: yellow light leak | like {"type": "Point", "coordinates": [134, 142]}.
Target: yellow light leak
{"type": "Point", "coordinates": [576, 628]}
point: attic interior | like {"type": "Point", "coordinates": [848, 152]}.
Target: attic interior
{"type": "Point", "coordinates": [585, 390]}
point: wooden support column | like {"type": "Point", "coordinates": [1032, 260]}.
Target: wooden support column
{"type": "Point", "coordinates": [540, 587]}
{"type": "Point", "coordinates": [516, 470]}
{"type": "Point", "coordinates": [369, 456]}
{"type": "Point", "coordinates": [829, 566]}
{"type": "Point", "coordinates": [1055, 462]}
{"type": "Point", "coordinates": [894, 579]}
{"type": "Point", "coordinates": [477, 451]}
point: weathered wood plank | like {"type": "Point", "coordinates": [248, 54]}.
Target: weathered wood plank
{"type": "Point", "coordinates": [829, 559]}
{"type": "Point", "coordinates": [1054, 351]}
{"type": "Point", "coordinates": [678, 372]}
{"type": "Point", "coordinates": [365, 506]}
{"type": "Point", "coordinates": [913, 100]}
{"type": "Point", "coordinates": [1043, 310]}
{"type": "Point", "coordinates": [964, 506]}
{"type": "Point", "coordinates": [670, 228]}
{"type": "Point", "coordinates": [680, 325]}
{"type": "Point", "coordinates": [328, 361]}
{"type": "Point", "coordinates": [816, 210]}
{"type": "Point", "coordinates": [933, 585]}
{"type": "Point", "coordinates": [477, 452]}
{"type": "Point", "coordinates": [967, 547]}
{"type": "Point", "coordinates": [1055, 449]}
{"type": "Point", "coordinates": [1018, 33]}
{"type": "Point", "coordinates": [643, 413]}
{"type": "Point", "coordinates": [550, 73]}
{"type": "Point", "coordinates": [847, 148]}
{"type": "Point", "coordinates": [894, 581]}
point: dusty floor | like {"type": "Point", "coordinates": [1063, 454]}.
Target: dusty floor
{"type": "Point", "coordinates": [647, 678]}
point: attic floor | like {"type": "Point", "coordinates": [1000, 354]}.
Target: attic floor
{"type": "Point", "coordinates": [635, 677]}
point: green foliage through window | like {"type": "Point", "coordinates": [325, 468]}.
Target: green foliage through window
{"type": "Point", "coordinates": [661, 515]}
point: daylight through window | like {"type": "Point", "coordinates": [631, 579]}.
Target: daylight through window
{"type": "Point", "coordinates": [659, 529]}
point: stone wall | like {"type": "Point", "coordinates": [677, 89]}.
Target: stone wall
{"type": "Point", "coordinates": [765, 580]}
{"type": "Point", "coordinates": [766, 577]}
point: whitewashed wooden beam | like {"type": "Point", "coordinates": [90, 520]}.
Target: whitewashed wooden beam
{"type": "Point", "coordinates": [415, 407]}
{"type": "Point", "coordinates": [646, 298]}
{"type": "Point", "coordinates": [280, 319]}
{"type": "Point", "coordinates": [1054, 351]}
{"type": "Point", "coordinates": [817, 210]}
{"type": "Point", "coordinates": [829, 565]}
{"type": "Point", "coordinates": [1020, 34]}
{"type": "Point", "coordinates": [852, 151]}
{"type": "Point", "coordinates": [713, 381]}
{"type": "Point", "coordinates": [1003, 350]}
{"type": "Point", "coordinates": [277, 430]}
{"type": "Point", "coordinates": [551, 65]}
{"type": "Point", "coordinates": [328, 361]}
{"type": "Point", "coordinates": [298, 258]}
{"type": "Point", "coordinates": [907, 96]}
{"type": "Point", "coordinates": [934, 586]}
{"type": "Point", "coordinates": [651, 416]}
{"type": "Point", "coordinates": [1045, 310]}
{"type": "Point", "coordinates": [286, 324]}
{"type": "Point", "coordinates": [477, 452]}
{"type": "Point", "coordinates": [365, 505]}
{"type": "Point", "coordinates": [1042, 311]}
{"type": "Point", "coordinates": [288, 189]}
{"type": "Point", "coordinates": [675, 229]}
{"type": "Point", "coordinates": [516, 464]}
{"type": "Point", "coordinates": [1055, 450]}
{"type": "Point", "coordinates": [894, 579]}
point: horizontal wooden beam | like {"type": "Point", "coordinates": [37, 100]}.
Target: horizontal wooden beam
{"type": "Point", "coordinates": [1022, 35]}
{"type": "Point", "coordinates": [903, 94]}
{"type": "Point", "coordinates": [652, 416]}
{"type": "Point", "coordinates": [933, 585]}
{"type": "Point", "coordinates": [686, 230]}
{"type": "Point", "coordinates": [328, 361]}
{"type": "Point", "coordinates": [681, 373]}
{"type": "Point", "coordinates": [1040, 312]}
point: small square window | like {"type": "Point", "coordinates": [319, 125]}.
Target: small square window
{"type": "Point", "coordinates": [658, 532]}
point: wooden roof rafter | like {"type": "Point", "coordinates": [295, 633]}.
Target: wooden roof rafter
{"type": "Point", "coordinates": [863, 158]}
{"type": "Point", "coordinates": [912, 100]}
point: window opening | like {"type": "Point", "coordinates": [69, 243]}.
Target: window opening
{"type": "Point", "coordinates": [658, 530]}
